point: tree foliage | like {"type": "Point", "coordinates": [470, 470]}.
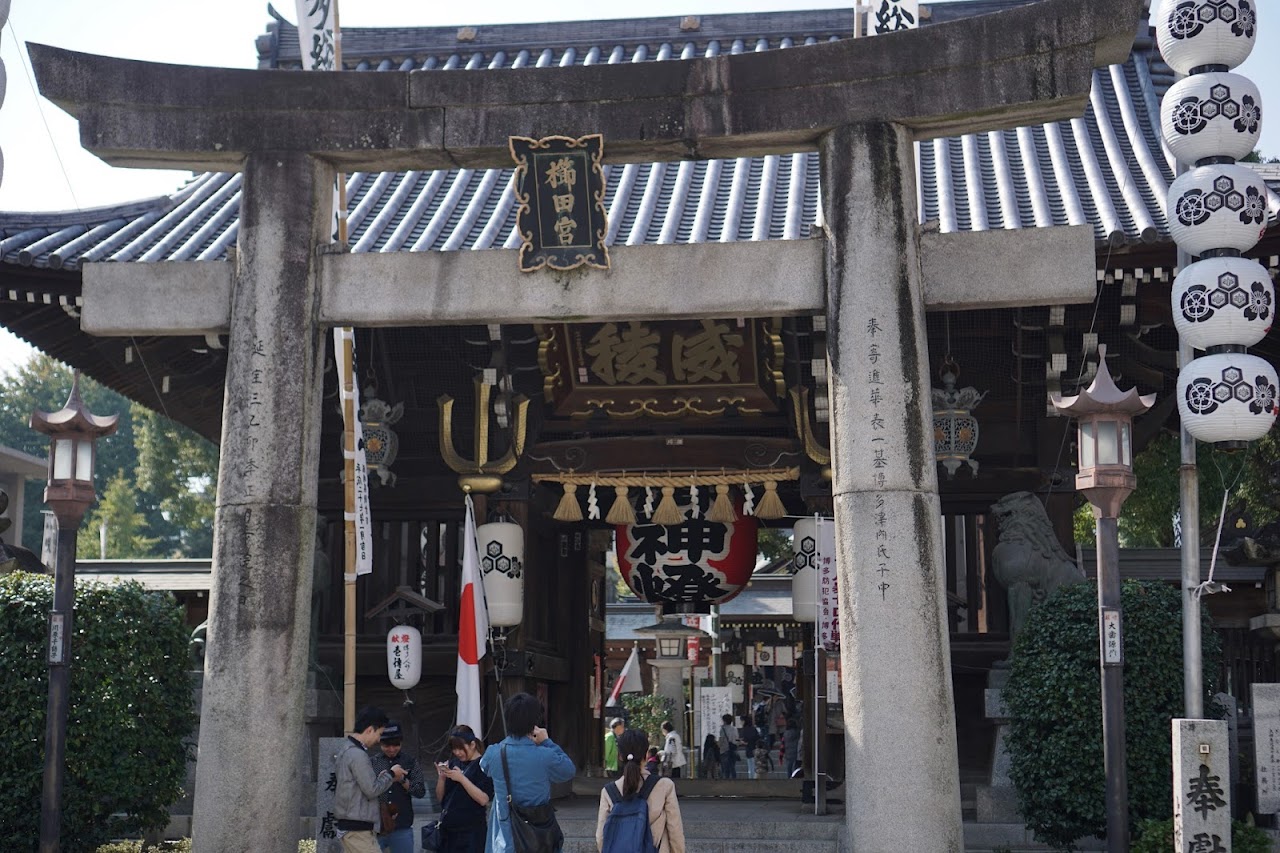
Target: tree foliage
{"type": "Point", "coordinates": [131, 711]}
{"type": "Point", "coordinates": [1054, 703]}
{"type": "Point", "coordinates": [1146, 521]}
{"type": "Point", "coordinates": [163, 470]}
{"type": "Point", "coordinates": [648, 713]}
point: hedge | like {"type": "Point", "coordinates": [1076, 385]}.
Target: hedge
{"type": "Point", "coordinates": [130, 715]}
{"type": "Point", "coordinates": [1055, 708]}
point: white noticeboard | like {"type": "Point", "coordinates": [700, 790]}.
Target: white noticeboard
{"type": "Point", "coordinates": [828, 590]}
{"type": "Point", "coordinates": [713, 704]}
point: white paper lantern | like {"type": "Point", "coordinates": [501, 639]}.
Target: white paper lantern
{"type": "Point", "coordinates": [1194, 33]}
{"type": "Point", "coordinates": [1211, 115]}
{"type": "Point", "coordinates": [501, 546]}
{"type": "Point", "coordinates": [1227, 397]}
{"type": "Point", "coordinates": [1223, 301]}
{"type": "Point", "coordinates": [404, 656]}
{"type": "Point", "coordinates": [1217, 207]}
{"type": "Point", "coordinates": [804, 583]}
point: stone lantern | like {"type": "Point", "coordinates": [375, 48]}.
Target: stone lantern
{"type": "Point", "coordinates": [671, 639]}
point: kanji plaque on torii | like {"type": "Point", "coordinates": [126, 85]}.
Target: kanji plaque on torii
{"type": "Point", "coordinates": [559, 190]}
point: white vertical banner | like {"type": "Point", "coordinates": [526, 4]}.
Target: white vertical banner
{"type": "Point", "coordinates": [362, 516]}
{"type": "Point", "coordinates": [49, 540]}
{"type": "Point", "coordinates": [317, 33]}
{"type": "Point", "coordinates": [828, 589]}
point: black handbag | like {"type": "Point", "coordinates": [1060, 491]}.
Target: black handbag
{"type": "Point", "coordinates": [432, 836]}
{"type": "Point", "coordinates": [534, 829]}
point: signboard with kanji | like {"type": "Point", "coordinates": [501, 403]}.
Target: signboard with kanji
{"type": "Point", "coordinates": [828, 588]}
{"type": "Point", "coordinates": [890, 16]}
{"type": "Point", "coordinates": [559, 190]}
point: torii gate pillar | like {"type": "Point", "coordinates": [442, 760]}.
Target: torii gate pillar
{"type": "Point", "coordinates": [895, 657]}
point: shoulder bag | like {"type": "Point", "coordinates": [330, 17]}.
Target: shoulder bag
{"type": "Point", "coordinates": [534, 829]}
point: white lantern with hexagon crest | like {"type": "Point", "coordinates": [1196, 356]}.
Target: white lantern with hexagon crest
{"type": "Point", "coordinates": [1221, 301]}
{"type": "Point", "coordinates": [1217, 207]}
{"type": "Point", "coordinates": [501, 547]}
{"type": "Point", "coordinates": [1227, 398]}
{"type": "Point", "coordinates": [804, 582]}
{"type": "Point", "coordinates": [1215, 114]}
{"type": "Point", "coordinates": [1194, 33]}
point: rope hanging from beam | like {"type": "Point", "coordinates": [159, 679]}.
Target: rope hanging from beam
{"type": "Point", "coordinates": [667, 511]}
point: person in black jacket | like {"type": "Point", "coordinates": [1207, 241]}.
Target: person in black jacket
{"type": "Point", "coordinates": [401, 794]}
{"type": "Point", "coordinates": [464, 790]}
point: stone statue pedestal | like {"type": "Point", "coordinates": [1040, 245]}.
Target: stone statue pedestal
{"type": "Point", "coordinates": [997, 802]}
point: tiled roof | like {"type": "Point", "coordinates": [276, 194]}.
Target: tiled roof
{"type": "Point", "coordinates": [1106, 168]}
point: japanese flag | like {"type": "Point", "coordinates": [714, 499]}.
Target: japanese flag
{"type": "Point", "coordinates": [629, 680]}
{"type": "Point", "coordinates": [473, 630]}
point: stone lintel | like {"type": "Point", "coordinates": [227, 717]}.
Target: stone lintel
{"type": "Point", "coordinates": [167, 298]}
{"type": "Point", "coordinates": [971, 270]}
{"type": "Point", "coordinates": [761, 279]}
{"type": "Point", "coordinates": [1029, 63]}
{"type": "Point", "coordinates": [1008, 267]}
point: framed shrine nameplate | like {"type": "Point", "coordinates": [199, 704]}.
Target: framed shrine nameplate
{"type": "Point", "coordinates": [559, 190]}
{"type": "Point", "coordinates": [662, 369]}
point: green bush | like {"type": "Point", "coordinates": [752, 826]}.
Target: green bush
{"type": "Point", "coordinates": [130, 713]}
{"type": "Point", "coordinates": [1156, 836]}
{"type": "Point", "coordinates": [1054, 704]}
{"type": "Point", "coordinates": [648, 713]}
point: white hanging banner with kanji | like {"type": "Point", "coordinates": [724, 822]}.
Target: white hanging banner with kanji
{"type": "Point", "coordinates": [828, 588]}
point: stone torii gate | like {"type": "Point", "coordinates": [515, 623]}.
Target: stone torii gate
{"type": "Point", "coordinates": [861, 103]}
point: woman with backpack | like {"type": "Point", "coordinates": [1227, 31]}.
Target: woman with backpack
{"type": "Point", "coordinates": [638, 813]}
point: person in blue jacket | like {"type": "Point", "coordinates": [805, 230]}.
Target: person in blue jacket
{"type": "Point", "coordinates": [536, 762]}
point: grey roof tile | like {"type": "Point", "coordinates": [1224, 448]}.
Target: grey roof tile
{"type": "Point", "coordinates": [1107, 168]}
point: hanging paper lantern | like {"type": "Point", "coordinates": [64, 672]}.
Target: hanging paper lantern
{"type": "Point", "coordinates": [501, 548]}
{"type": "Point", "coordinates": [1195, 33]}
{"type": "Point", "coordinates": [1214, 114]}
{"type": "Point", "coordinates": [1223, 301]}
{"type": "Point", "coordinates": [1217, 207]}
{"type": "Point", "coordinates": [697, 562]}
{"type": "Point", "coordinates": [404, 656]}
{"type": "Point", "coordinates": [804, 582]}
{"type": "Point", "coordinates": [1227, 397]}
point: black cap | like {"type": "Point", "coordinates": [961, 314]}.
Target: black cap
{"type": "Point", "coordinates": [391, 732]}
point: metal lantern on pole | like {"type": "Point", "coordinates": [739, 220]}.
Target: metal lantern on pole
{"type": "Point", "coordinates": [1105, 416]}
{"type": "Point", "coordinates": [73, 434]}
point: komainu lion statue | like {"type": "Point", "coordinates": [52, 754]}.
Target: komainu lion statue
{"type": "Point", "coordinates": [1028, 560]}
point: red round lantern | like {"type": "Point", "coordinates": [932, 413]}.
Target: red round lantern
{"type": "Point", "coordinates": [698, 562]}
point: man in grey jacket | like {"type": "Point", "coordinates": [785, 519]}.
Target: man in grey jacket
{"type": "Point", "coordinates": [355, 803]}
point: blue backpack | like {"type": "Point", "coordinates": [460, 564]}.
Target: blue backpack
{"type": "Point", "coordinates": [626, 829]}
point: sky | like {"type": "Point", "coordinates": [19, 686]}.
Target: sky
{"type": "Point", "coordinates": [45, 168]}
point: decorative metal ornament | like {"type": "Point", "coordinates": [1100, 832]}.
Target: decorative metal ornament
{"type": "Point", "coordinates": [1227, 398]}
{"type": "Point", "coordinates": [481, 474]}
{"type": "Point", "coordinates": [404, 656]}
{"type": "Point", "coordinates": [501, 548]}
{"type": "Point", "coordinates": [1217, 207]}
{"type": "Point", "coordinates": [559, 190]}
{"type": "Point", "coordinates": [955, 429]}
{"type": "Point", "coordinates": [1223, 301]}
{"type": "Point", "coordinates": [1194, 33]}
{"type": "Point", "coordinates": [1215, 114]}
{"type": "Point", "coordinates": [381, 444]}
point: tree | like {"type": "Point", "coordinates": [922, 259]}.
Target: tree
{"type": "Point", "coordinates": [175, 469]}
{"type": "Point", "coordinates": [126, 525]}
{"type": "Point", "coordinates": [1146, 521]}
{"type": "Point", "coordinates": [131, 710]}
{"type": "Point", "coordinates": [1054, 703]}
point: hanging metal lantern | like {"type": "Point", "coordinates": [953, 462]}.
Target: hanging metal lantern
{"type": "Point", "coordinates": [698, 563]}
{"type": "Point", "coordinates": [1223, 301]}
{"type": "Point", "coordinates": [404, 656]}
{"type": "Point", "coordinates": [1217, 207]}
{"type": "Point", "coordinates": [501, 547]}
{"type": "Point", "coordinates": [381, 444]}
{"type": "Point", "coordinates": [1215, 114]}
{"type": "Point", "coordinates": [1195, 33]}
{"type": "Point", "coordinates": [1227, 398]}
{"type": "Point", "coordinates": [955, 429]}
{"type": "Point", "coordinates": [804, 581]}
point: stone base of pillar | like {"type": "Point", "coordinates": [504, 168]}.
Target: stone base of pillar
{"type": "Point", "coordinates": [997, 802]}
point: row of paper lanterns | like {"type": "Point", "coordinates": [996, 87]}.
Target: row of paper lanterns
{"type": "Point", "coordinates": [1217, 210]}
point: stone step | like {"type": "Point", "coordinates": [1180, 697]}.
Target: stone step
{"type": "Point", "coordinates": [738, 831]}
{"type": "Point", "coordinates": [721, 845]}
